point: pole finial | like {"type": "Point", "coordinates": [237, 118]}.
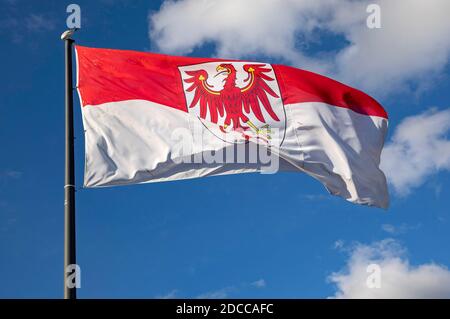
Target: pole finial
{"type": "Point", "coordinates": [67, 35]}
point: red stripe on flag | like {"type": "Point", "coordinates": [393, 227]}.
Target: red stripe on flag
{"type": "Point", "coordinates": [303, 86]}
{"type": "Point", "coordinates": [107, 75]}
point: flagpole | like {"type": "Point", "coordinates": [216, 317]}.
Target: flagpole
{"type": "Point", "coordinates": [69, 180]}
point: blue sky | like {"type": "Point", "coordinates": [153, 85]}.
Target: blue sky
{"type": "Point", "coordinates": [236, 236]}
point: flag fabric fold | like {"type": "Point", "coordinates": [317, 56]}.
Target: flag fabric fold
{"type": "Point", "coordinates": [149, 117]}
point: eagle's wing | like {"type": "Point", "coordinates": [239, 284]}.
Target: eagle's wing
{"type": "Point", "coordinates": [204, 93]}
{"type": "Point", "coordinates": [256, 90]}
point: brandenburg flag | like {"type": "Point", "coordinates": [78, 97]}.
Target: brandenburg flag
{"type": "Point", "coordinates": [150, 117]}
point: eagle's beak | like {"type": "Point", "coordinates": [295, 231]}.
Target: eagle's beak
{"type": "Point", "coordinates": [222, 70]}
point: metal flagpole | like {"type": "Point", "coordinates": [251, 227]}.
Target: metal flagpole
{"type": "Point", "coordinates": [69, 184]}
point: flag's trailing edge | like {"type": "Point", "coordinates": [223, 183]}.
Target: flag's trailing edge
{"type": "Point", "coordinates": [136, 105]}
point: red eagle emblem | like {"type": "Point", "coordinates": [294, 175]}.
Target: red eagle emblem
{"type": "Point", "coordinates": [234, 102]}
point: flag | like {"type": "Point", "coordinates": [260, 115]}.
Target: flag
{"type": "Point", "coordinates": [150, 117]}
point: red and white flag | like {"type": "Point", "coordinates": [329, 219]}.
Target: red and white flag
{"type": "Point", "coordinates": [150, 117]}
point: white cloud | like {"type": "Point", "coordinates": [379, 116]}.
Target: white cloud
{"type": "Point", "coordinates": [225, 292]}
{"type": "Point", "coordinates": [398, 230]}
{"type": "Point", "coordinates": [170, 295]}
{"type": "Point", "coordinates": [419, 148]}
{"type": "Point", "coordinates": [388, 228]}
{"type": "Point", "coordinates": [17, 25]}
{"type": "Point", "coordinates": [237, 28]}
{"type": "Point", "coordinates": [338, 244]}
{"type": "Point", "coordinates": [39, 22]}
{"type": "Point", "coordinates": [399, 279]}
{"type": "Point", "coordinates": [412, 44]}
{"type": "Point", "coordinates": [217, 294]}
{"type": "Point", "coordinates": [261, 283]}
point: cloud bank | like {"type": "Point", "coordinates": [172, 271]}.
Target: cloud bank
{"type": "Point", "coordinates": [399, 279]}
{"type": "Point", "coordinates": [412, 43]}
{"type": "Point", "coordinates": [419, 147]}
